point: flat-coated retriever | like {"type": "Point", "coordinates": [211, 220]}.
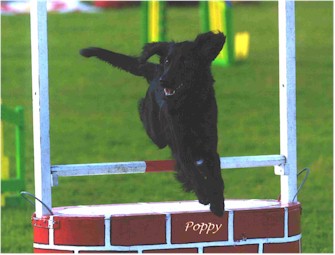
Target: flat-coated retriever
{"type": "Point", "coordinates": [179, 108]}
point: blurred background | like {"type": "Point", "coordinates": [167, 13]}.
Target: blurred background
{"type": "Point", "coordinates": [94, 118]}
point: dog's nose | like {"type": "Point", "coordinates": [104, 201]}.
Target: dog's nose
{"type": "Point", "coordinates": [163, 81]}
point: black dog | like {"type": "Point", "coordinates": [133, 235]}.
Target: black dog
{"type": "Point", "coordinates": [179, 109]}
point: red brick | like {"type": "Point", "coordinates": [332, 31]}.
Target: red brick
{"type": "Point", "coordinates": [183, 232]}
{"type": "Point", "coordinates": [139, 229]}
{"type": "Point", "coordinates": [181, 250]}
{"type": "Point", "coordinates": [293, 247]}
{"type": "Point", "coordinates": [294, 214]}
{"type": "Point", "coordinates": [108, 252]}
{"type": "Point", "coordinates": [41, 231]}
{"type": "Point", "coordinates": [80, 231]}
{"type": "Point", "coordinates": [258, 223]}
{"type": "Point", "coordinates": [36, 250]}
{"type": "Point", "coordinates": [250, 248]}
{"type": "Point", "coordinates": [41, 235]}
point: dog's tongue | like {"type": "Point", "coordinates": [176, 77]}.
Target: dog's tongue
{"type": "Point", "coordinates": [169, 92]}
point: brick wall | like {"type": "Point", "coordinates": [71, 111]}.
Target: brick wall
{"type": "Point", "coordinates": [248, 226]}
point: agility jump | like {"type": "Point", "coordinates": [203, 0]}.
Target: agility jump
{"type": "Point", "coordinates": [247, 226]}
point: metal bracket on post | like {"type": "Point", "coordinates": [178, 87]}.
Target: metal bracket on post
{"type": "Point", "coordinates": [54, 180]}
{"type": "Point", "coordinates": [45, 223]}
{"type": "Point", "coordinates": [281, 170]}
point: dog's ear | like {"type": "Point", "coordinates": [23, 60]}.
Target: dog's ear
{"type": "Point", "coordinates": [156, 48]}
{"type": "Point", "coordinates": [210, 44]}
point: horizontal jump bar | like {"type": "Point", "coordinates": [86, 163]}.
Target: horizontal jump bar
{"type": "Point", "coordinates": [160, 166]}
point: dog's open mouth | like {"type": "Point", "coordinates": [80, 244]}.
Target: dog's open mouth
{"type": "Point", "coordinates": [169, 92]}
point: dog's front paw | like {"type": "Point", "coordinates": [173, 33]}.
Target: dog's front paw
{"type": "Point", "coordinates": [217, 209]}
{"type": "Point", "coordinates": [89, 52]}
{"type": "Point", "coordinates": [204, 201]}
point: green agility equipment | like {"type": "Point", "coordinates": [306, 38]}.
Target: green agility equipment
{"type": "Point", "coordinates": [11, 186]}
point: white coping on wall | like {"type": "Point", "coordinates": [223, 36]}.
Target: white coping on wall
{"type": "Point", "coordinates": [162, 207]}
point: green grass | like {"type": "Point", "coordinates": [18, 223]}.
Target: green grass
{"type": "Point", "coordinates": [94, 111]}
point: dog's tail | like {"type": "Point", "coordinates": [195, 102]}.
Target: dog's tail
{"type": "Point", "coordinates": [124, 62]}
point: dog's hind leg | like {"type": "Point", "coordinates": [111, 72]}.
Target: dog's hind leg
{"type": "Point", "coordinates": [190, 181]}
{"type": "Point", "coordinates": [209, 184]}
{"type": "Point", "coordinates": [183, 178]}
{"type": "Point", "coordinates": [216, 186]}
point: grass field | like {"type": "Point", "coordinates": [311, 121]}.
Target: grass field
{"type": "Point", "coordinates": [94, 111]}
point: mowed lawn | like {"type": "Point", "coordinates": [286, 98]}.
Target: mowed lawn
{"type": "Point", "coordinates": [93, 111]}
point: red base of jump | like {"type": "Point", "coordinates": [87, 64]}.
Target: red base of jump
{"type": "Point", "coordinates": [248, 226]}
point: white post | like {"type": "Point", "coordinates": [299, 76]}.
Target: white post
{"type": "Point", "coordinates": [287, 82]}
{"type": "Point", "coordinates": [40, 91]}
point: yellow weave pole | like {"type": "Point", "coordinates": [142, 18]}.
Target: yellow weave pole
{"type": "Point", "coordinates": [4, 165]}
{"type": "Point", "coordinates": [154, 20]}
{"type": "Point", "coordinates": [242, 42]}
{"type": "Point", "coordinates": [216, 23]}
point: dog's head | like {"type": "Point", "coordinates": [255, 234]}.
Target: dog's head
{"type": "Point", "coordinates": [184, 62]}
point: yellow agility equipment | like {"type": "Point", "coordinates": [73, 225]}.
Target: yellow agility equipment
{"type": "Point", "coordinates": [217, 13]}
{"type": "Point", "coordinates": [215, 16]}
{"type": "Point", "coordinates": [154, 21]}
{"type": "Point", "coordinates": [4, 166]}
{"type": "Point", "coordinates": [218, 16]}
{"type": "Point", "coordinates": [153, 13]}
{"type": "Point", "coordinates": [242, 41]}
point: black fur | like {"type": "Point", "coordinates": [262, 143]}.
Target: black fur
{"type": "Point", "coordinates": [179, 109]}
